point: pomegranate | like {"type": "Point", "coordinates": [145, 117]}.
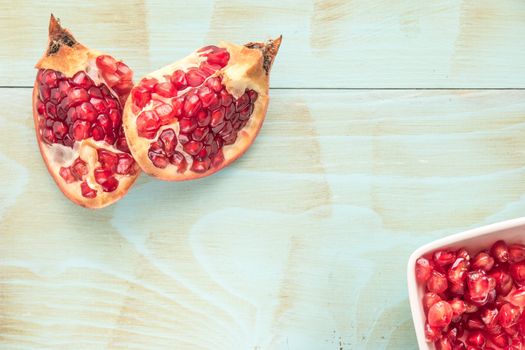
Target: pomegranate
{"type": "Point", "coordinates": [474, 303]}
{"type": "Point", "coordinates": [196, 116]}
{"type": "Point", "coordinates": [77, 110]}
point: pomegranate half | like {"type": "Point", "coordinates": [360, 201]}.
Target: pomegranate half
{"type": "Point", "coordinates": [196, 116]}
{"type": "Point", "coordinates": [77, 109]}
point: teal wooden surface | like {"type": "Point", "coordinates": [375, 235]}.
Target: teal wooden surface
{"type": "Point", "coordinates": [303, 242]}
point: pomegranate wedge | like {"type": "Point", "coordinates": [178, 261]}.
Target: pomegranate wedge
{"type": "Point", "coordinates": [77, 109]}
{"type": "Point", "coordinates": [196, 116]}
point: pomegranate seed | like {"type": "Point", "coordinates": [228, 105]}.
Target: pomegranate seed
{"type": "Point", "coordinates": [443, 344]}
{"type": "Point", "coordinates": [87, 191]}
{"type": "Point", "coordinates": [199, 134]}
{"type": "Point", "coordinates": [441, 257]}
{"type": "Point", "coordinates": [220, 57]}
{"type": "Point", "coordinates": [440, 314]}
{"type": "Point", "coordinates": [203, 118]}
{"type": "Point", "coordinates": [503, 281]}
{"type": "Point", "coordinates": [215, 84]}
{"type": "Point", "coordinates": [218, 158]}
{"type": "Point", "coordinates": [201, 166]}
{"type": "Point", "coordinates": [478, 287]}
{"type": "Point", "coordinates": [87, 112]}
{"type": "Point", "coordinates": [474, 323]}
{"type": "Point", "coordinates": [508, 315]}
{"type": "Point", "coordinates": [252, 94]}
{"type": "Point", "coordinates": [115, 117]}
{"type": "Point", "coordinates": [157, 157]}
{"type": "Point", "coordinates": [500, 251]}
{"type": "Point", "coordinates": [460, 346]}
{"type": "Point", "coordinates": [124, 72]}
{"type": "Point", "coordinates": [193, 147]}
{"type": "Point", "coordinates": [476, 338]}
{"type": "Point", "coordinates": [60, 129]}
{"type": "Point", "coordinates": [517, 271]}
{"type": "Point", "coordinates": [104, 178]}
{"type": "Point", "coordinates": [501, 340]}
{"type": "Point", "coordinates": [106, 64]}
{"type": "Point", "coordinates": [483, 261]}
{"type": "Point", "coordinates": [516, 253]}
{"type": "Point", "coordinates": [187, 126]}
{"type": "Point", "coordinates": [108, 160]}
{"type": "Point", "coordinates": [166, 113]}
{"type": "Point", "coordinates": [79, 169]}
{"type": "Point", "coordinates": [208, 98]}
{"type": "Point", "coordinates": [458, 309]}
{"type": "Point", "coordinates": [81, 79]}
{"type": "Point", "coordinates": [244, 101]}
{"type": "Point", "coordinates": [122, 144]}
{"type": "Point", "coordinates": [217, 117]}
{"type": "Point", "coordinates": [209, 68]}
{"type": "Point", "coordinates": [81, 130]}
{"type": "Point", "coordinates": [98, 133]}
{"type": "Point", "coordinates": [66, 174]}
{"type": "Point", "coordinates": [226, 98]}
{"type": "Point", "coordinates": [437, 282]}
{"type": "Point", "coordinates": [165, 89]}
{"type": "Point", "coordinates": [457, 272]}
{"type": "Point", "coordinates": [245, 113]}
{"type": "Point", "coordinates": [432, 333]}
{"type": "Point", "coordinates": [178, 79]}
{"type": "Point", "coordinates": [179, 161]}
{"type": "Point", "coordinates": [192, 104]}
{"type": "Point", "coordinates": [76, 96]}
{"type": "Point", "coordinates": [489, 316]}
{"type": "Point", "coordinates": [148, 123]}
{"type": "Point", "coordinates": [168, 141]}
{"type": "Point", "coordinates": [149, 83]}
{"type": "Point", "coordinates": [125, 164]}
{"type": "Point", "coordinates": [177, 104]}
{"type": "Point", "coordinates": [517, 297]}
{"type": "Point", "coordinates": [100, 105]}
{"type": "Point", "coordinates": [195, 77]}
{"type": "Point", "coordinates": [521, 324]}
{"type": "Point", "coordinates": [141, 96]}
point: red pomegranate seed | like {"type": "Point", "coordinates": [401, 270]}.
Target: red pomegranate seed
{"type": "Point", "coordinates": [219, 57]}
{"type": "Point", "coordinates": [483, 261]}
{"type": "Point", "coordinates": [457, 272]}
{"type": "Point", "coordinates": [87, 191]}
{"type": "Point", "coordinates": [108, 160]}
{"type": "Point", "coordinates": [508, 315]}
{"type": "Point", "coordinates": [148, 123]}
{"type": "Point", "coordinates": [168, 141]}
{"type": "Point", "coordinates": [141, 96]}
{"type": "Point", "coordinates": [81, 130]}
{"type": "Point", "coordinates": [215, 84]}
{"type": "Point", "coordinates": [79, 169]}
{"type": "Point", "coordinates": [209, 98]}
{"type": "Point", "coordinates": [516, 253]}
{"type": "Point", "coordinates": [125, 164]}
{"type": "Point", "coordinates": [201, 166]}
{"type": "Point", "coordinates": [503, 281]}
{"type": "Point", "coordinates": [478, 287]}
{"type": "Point", "coordinates": [76, 96]}
{"type": "Point", "coordinates": [81, 79]}
{"type": "Point", "coordinates": [99, 104]}
{"type": "Point", "coordinates": [517, 297]}
{"type": "Point", "coordinates": [500, 340]}
{"type": "Point", "coordinates": [489, 316]}
{"type": "Point", "coordinates": [148, 83]}
{"type": "Point", "coordinates": [179, 161]}
{"type": "Point", "coordinates": [104, 178]}
{"type": "Point", "coordinates": [87, 112]}
{"type": "Point", "coordinates": [437, 282]}
{"type": "Point", "coordinates": [191, 106]}
{"type": "Point", "coordinates": [60, 129]}
{"type": "Point", "coordinates": [166, 113]}
{"type": "Point", "coordinates": [432, 333]}
{"type": "Point", "coordinates": [124, 72]}
{"type": "Point", "coordinates": [165, 89]}
{"type": "Point", "coordinates": [441, 257]}
{"type": "Point", "coordinates": [476, 338]}
{"type": "Point", "coordinates": [443, 344]}
{"type": "Point", "coordinates": [193, 147]}
{"type": "Point", "coordinates": [195, 77]}
{"type": "Point", "coordinates": [517, 271]}
{"type": "Point", "coordinates": [209, 68]}
{"type": "Point", "coordinates": [440, 314]}
{"type": "Point", "coordinates": [226, 98]}
{"type": "Point", "coordinates": [106, 64]}
{"type": "Point", "coordinates": [521, 324]}
{"type": "Point", "coordinates": [66, 174]}
{"type": "Point", "coordinates": [98, 133]}
{"type": "Point", "coordinates": [177, 104]}
{"type": "Point", "coordinates": [203, 118]}
{"type": "Point", "coordinates": [187, 126]}
{"type": "Point", "coordinates": [157, 156]}
{"type": "Point", "coordinates": [423, 270]}
{"type": "Point", "coordinates": [178, 79]}
{"type": "Point", "coordinates": [474, 323]}
{"type": "Point", "coordinates": [500, 251]}
{"type": "Point", "coordinates": [217, 117]}
{"type": "Point", "coordinates": [458, 309]}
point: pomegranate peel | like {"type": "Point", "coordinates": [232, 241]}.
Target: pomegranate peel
{"type": "Point", "coordinates": [77, 111]}
{"type": "Point", "coordinates": [218, 97]}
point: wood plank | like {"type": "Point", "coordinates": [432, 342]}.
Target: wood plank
{"type": "Point", "coordinates": [301, 244]}
{"type": "Point", "coordinates": [327, 43]}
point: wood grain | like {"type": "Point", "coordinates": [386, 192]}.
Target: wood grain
{"type": "Point", "coordinates": [327, 43]}
{"type": "Point", "coordinates": [301, 244]}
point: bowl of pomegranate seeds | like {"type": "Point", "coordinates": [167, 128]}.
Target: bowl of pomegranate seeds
{"type": "Point", "coordinates": [467, 291]}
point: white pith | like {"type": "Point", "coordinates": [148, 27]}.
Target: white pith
{"type": "Point", "coordinates": [243, 72]}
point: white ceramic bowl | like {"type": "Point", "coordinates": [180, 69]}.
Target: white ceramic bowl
{"type": "Point", "coordinates": [512, 231]}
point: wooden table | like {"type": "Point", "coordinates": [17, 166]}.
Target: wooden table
{"type": "Point", "coordinates": [392, 123]}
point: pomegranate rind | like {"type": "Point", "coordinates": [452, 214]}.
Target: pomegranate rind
{"type": "Point", "coordinates": [69, 60]}
{"type": "Point", "coordinates": [248, 68]}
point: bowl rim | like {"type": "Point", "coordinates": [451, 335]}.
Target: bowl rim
{"type": "Point", "coordinates": [417, 317]}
